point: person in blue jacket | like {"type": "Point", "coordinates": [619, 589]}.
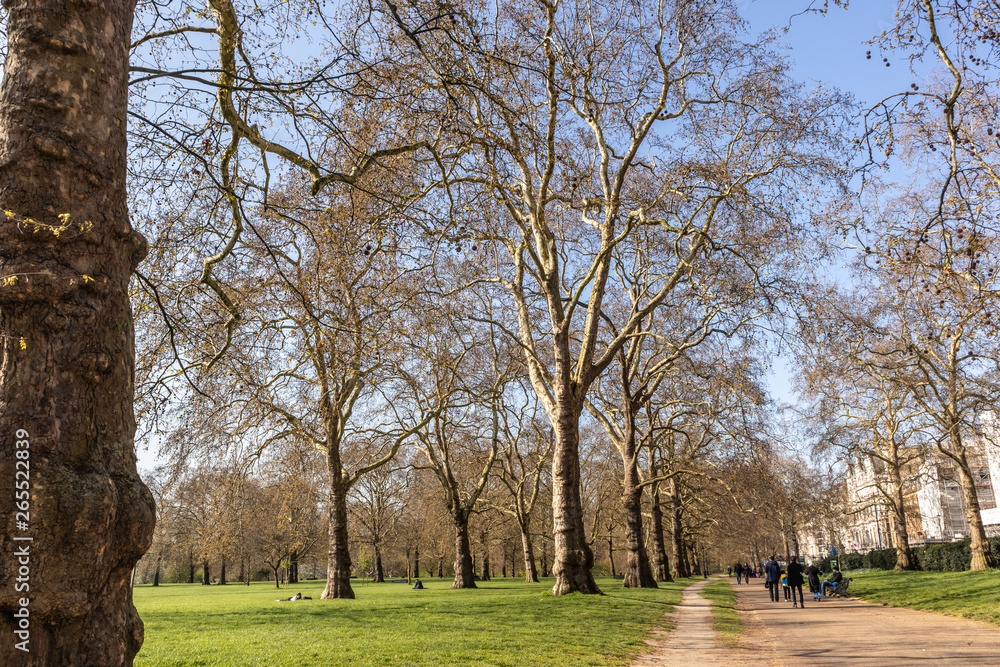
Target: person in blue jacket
{"type": "Point", "coordinates": [772, 577]}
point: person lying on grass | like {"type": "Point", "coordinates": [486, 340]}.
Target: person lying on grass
{"type": "Point", "coordinates": [297, 596]}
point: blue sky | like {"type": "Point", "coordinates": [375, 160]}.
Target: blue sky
{"type": "Point", "coordinates": [830, 49]}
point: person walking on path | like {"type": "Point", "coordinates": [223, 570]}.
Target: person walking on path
{"type": "Point", "coordinates": [813, 573]}
{"type": "Point", "coordinates": [795, 580]}
{"type": "Point", "coordinates": [739, 572]}
{"type": "Point", "coordinates": [772, 577]}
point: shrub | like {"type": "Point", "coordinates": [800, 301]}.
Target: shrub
{"type": "Point", "coordinates": [880, 559]}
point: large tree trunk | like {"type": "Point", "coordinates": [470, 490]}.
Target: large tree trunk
{"type": "Point", "coordinates": [661, 564]}
{"type": "Point", "coordinates": [530, 572]}
{"type": "Point", "coordinates": [67, 395]}
{"type": "Point", "coordinates": [68, 356]}
{"type": "Point", "coordinates": [338, 569]}
{"type": "Point", "coordinates": [464, 567]}
{"type": "Point", "coordinates": [573, 559]}
{"type": "Point", "coordinates": [293, 568]}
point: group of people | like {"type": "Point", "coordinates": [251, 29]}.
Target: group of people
{"type": "Point", "coordinates": [742, 571]}
{"type": "Point", "coordinates": [790, 580]}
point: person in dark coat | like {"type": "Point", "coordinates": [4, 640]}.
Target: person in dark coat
{"type": "Point", "coordinates": [813, 573]}
{"type": "Point", "coordinates": [795, 580]}
{"type": "Point", "coordinates": [834, 579]}
{"type": "Point", "coordinates": [738, 569]}
{"type": "Point", "coordinates": [772, 575]}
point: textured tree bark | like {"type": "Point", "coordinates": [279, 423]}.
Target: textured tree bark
{"type": "Point", "coordinates": [464, 566]}
{"type": "Point", "coordinates": [67, 392]}
{"type": "Point", "coordinates": [661, 564]}
{"type": "Point", "coordinates": [379, 571]}
{"type": "Point", "coordinates": [573, 559]}
{"type": "Point", "coordinates": [293, 568]}
{"type": "Point", "coordinates": [338, 569]}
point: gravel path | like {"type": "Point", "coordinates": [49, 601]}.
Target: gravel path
{"type": "Point", "coordinates": [830, 633]}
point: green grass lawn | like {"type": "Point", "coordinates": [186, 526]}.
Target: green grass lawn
{"type": "Point", "coordinates": [504, 622]}
{"type": "Point", "coordinates": [974, 595]}
{"type": "Point", "coordinates": [724, 617]}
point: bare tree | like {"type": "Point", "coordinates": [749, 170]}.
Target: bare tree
{"type": "Point", "coordinates": [564, 118]}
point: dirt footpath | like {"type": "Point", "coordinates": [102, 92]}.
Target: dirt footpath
{"type": "Point", "coordinates": [832, 632]}
{"type": "Point", "coordinates": [841, 631]}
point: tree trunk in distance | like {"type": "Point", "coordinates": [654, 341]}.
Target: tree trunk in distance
{"type": "Point", "coordinates": [573, 559]}
{"type": "Point", "coordinates": [156, 574]}
{"type": "Point", "coordinates": [379, 571]}
{"type": "Point", "coordinates": [338, 569]}
{"type": "Point", "coordinates": [222, 572]}
{"type": "Point", "coordinates": [530, 572]}
{"type": "Point", "coordinates": [191, 572]}
{"type": "Point", "coordinates": [206, 574]}
{"type": "Point", "coordinates": [677, 532]}
{"type": "Point", "coordinates": [611, 554]}
{"type": "Point", "coordinates": [982, 558]}
{"type": "Point", "coordinates": [440, 567]}
{"type": "Point", "coordinates": [67, 391]}
{"type": "Point", "coordinates": [416, 560]}
{"type": "Point", "coordinates": [464, 566]}
{"type": "Point", "coordinates": [904, 554]}
{"type": "Point", "coordinates": [485, 575]}
{"type": "Point", "coordinates": [293, 568]}
{"type": "Point", "coordinates": [637, 571]}
{"type": "Point", "coordinates": [661, 565]}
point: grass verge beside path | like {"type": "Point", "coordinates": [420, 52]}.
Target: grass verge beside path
{"type": "Point", "coordinates": [503, 622]}
{"type": "Point", "coordinates": [974, 595]}
{"type": "Point", "coordinates": [725, 619]}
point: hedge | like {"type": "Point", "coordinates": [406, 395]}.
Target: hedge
{"type": "Point", "coordinates": [947, 557]}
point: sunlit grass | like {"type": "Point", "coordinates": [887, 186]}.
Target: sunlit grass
{"type": "Point", "coordinates": [504, 622]}
{"type": "Point", "coordinates": [725, 619]}
{"type": "Point", "coordinates": [974, 595]}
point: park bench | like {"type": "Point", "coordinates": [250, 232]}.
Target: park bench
{"type": "Point", "coordinates": [400, 581]}
{"type": "Point", "coordinates": [840, 590]}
